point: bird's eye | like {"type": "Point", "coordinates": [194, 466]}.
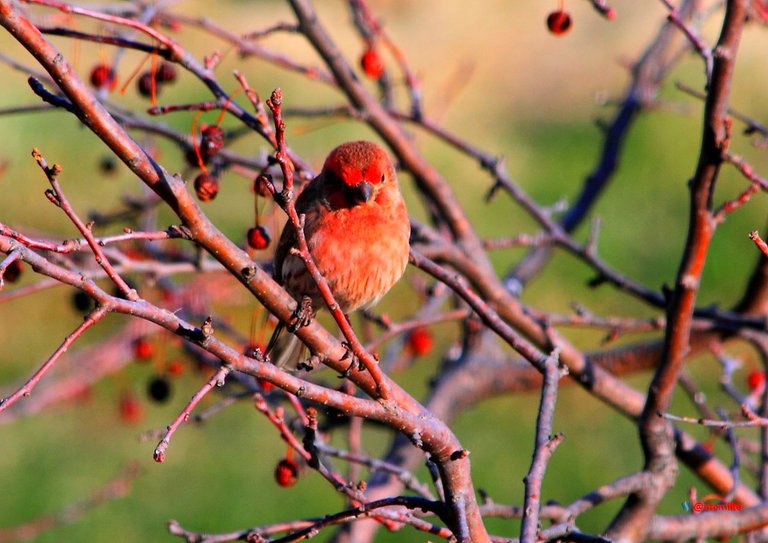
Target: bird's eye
{"type": "Point", "coordinates": [382, 178]}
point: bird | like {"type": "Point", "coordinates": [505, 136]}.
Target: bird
{"type": "Point", "coordinates": [357, 231]}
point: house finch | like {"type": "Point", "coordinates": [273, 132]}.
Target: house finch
{"type": "Point", "coordinates": [357, 229]}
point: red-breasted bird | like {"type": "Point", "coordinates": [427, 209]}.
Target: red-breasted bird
{"type": "Point", "coordinates": [357, 231]}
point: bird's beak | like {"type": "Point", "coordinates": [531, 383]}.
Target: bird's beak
{"type": "Point", "coordinates": [360, 193]}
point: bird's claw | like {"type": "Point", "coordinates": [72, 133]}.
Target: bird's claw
{"type": "Point", "coordinates": [355, 360]}
{"type": "Point", "coordinates": [302, 315]}
{"type": "Point", "coordinates": [309, 364]}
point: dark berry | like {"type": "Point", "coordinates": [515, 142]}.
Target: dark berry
{"type": "Point", "coordinates": [286, 472]}
{"type": "Point", "coordinates": [166, 72]}
{"type": "Point", "coordinates": [206, 187]}
{"type": "Point", "coordinates": [371, 63]}
{"type": "Point", "coordinates": [82, 301]}
{"type": "Point", "coordinates": [108, 164]}
{"type": "Point", "coordinates": [103, 77]}
{"type": "Point", "coordinates": [211, 141]}
{"type": "Point", "coordinates": [13, 271]}
{"type": "Point", "coordinates": [258, 238]}
{"type": "Point", "coordinates": [559, 22]}
{"type": "Point", "coordinates": [146, 83]}
{"type": "Point", "coordinates": [159, 389]}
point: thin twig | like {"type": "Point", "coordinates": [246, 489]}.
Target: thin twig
{"type": "Point", "coordinates": [545, 445]}
{"type": "Point", "coordinates": [217, 379]}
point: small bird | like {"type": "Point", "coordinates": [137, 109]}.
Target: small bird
{"type": "Point", "coordinates": [357, 229]}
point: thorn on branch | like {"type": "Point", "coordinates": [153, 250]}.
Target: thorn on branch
{"type": "Point", "coordinates": [180, 231]}
{"type": "Point", "coordinates": [206, 330]}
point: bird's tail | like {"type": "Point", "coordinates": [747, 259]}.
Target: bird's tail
{"type": "Point", "coordinates": [285, 350]}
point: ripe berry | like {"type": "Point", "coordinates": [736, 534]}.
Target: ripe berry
{"type": "Point", "coordinates": [265, 386]}
{"type": "Point", "coordinates": [142, 349]}
{"type": "Point", "coordinates": [258, 238]}
{"type": "Point", "coordinates": [371, 63]}
{"type": "Point", "coordinates": [559, 22]}
{"type": "Point", "coordinates": [103, 77]}
{"type": "Point", "coordinates": [131, 410]}
{"type": "Point", "coordinates": [13, 271]}
{"type": "Point", "coordinates": [286, 472]}
{"type": "Point", "coordinates": [755, 380]}
{"type": "Point", "coordinates": [206, 187]}
{"type": "Point", "coordinates": [420, 341]}
{"type": "Point", "coordinates": [159, 388]}
{"type": "Point", "coordinates": [145, 83]}
{"type": "Point", "coordinates": [82, 301]}
{"type": "Point", "coordinates": [166, 73]}
{"type": "Point", "coordinates": [211, 141]}
{"type": "Point", "coordinates": [175, 368]}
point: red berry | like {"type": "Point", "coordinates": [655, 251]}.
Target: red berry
{"type": "Point", "coordinates": [286, 472]}
{"type": "Point", "coordinates": [266, 386]}
{"type": "Point", "coordinates": [142, 349]}
{"type": "Point", "coordinates": [755, 380]}
{"type": "Point", "coordinates": [371, 63]}
{"type": "Point", "coordinates": [131, 410]}
{"type": "Point", "coordinates": [258, 238]}
{"type": "Point", "coordinates": [206, 187]}
{"type": "Point", "coordinates": [175, 368]}
{"type": "Point", "coordinates": [103, 77]}
{"type": "Point", "coordinates": [420, 341]}
{"type": "Point", "coordinates": [166, 73]}
{"type": "Point", "coordinates": [559, 22]}
{"type": "Point", "coordinates": [13, 271]}
{"type": "Point", "coordinates": [211, 141]}
{"type": "Point", "coordinates": [145, 84]}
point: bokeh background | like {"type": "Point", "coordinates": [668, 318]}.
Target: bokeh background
{"type": "Point", "coordinates": [493, 74]}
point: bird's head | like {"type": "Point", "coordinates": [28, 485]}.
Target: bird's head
{"type": "Point", "coordinates": [357, 173]}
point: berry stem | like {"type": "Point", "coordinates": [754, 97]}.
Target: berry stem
{"type": "Point", "coordinates": [153, 86]}
{"type": "Point", "coordinates": [196, 143]}
{"type": "Point", "coordinates": [226, 105]}
{"type": "Point", "coordinates": [134, 73]}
